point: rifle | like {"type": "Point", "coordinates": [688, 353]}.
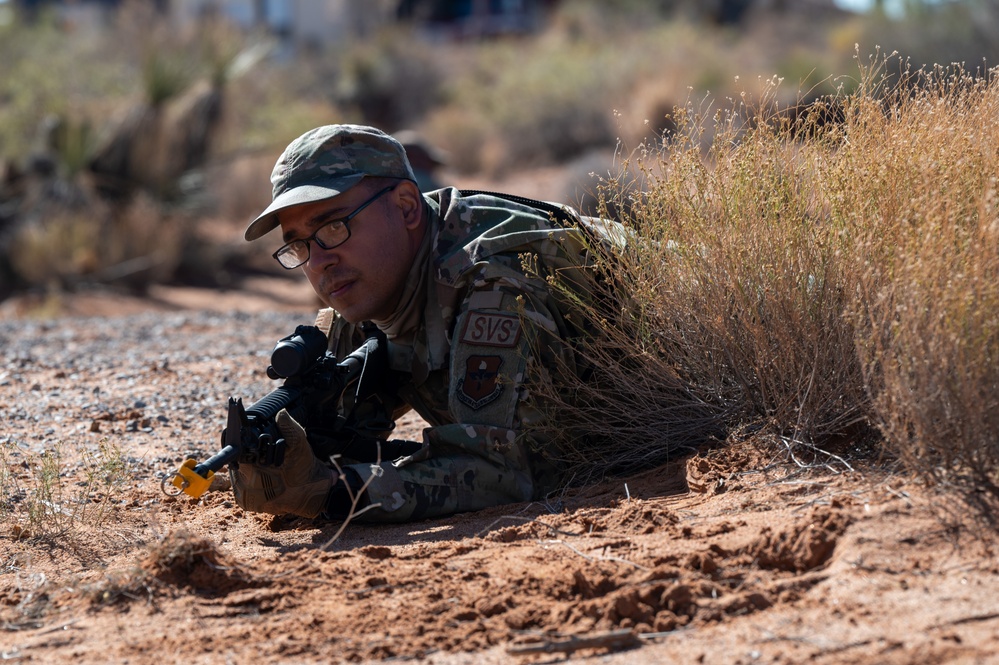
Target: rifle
{"type": "Point", "coordinates": [313, 379]}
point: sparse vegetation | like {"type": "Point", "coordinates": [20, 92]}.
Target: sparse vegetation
{"type": "Point", "coordinates": [928, 288]}
{"type": "Point", "coordinates": [818, 285]}
{"type": "Point", "coordinates": [59, 490]}
{"type": "Point", "coordinates": [825, 277]}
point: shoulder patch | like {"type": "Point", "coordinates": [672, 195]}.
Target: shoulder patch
{"type": "Point", "coordinates": [480, 386]}
{"type": "Point", "coordinates": [491, 329]}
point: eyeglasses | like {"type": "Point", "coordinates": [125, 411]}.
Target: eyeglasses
{"type": "Point", "coordinates": [331, 234]}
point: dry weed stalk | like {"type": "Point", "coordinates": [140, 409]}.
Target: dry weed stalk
{"type": "Point", "coordinates": [355, 497]}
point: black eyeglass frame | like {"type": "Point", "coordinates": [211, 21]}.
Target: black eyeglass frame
{"type": "Point", "coordinates": [286, 248]}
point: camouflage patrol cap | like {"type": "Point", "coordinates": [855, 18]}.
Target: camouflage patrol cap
{"type": "Point", "coordinates": [325, 162]}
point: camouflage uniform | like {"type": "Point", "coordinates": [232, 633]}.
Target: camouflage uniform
{"type": "Point", "coordinates": [473, 327]}
{"type": "Point", "coordinates": [479, 323]}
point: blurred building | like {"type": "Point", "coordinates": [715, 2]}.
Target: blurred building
{"type": "Point", "coordinates": [317, 22]}
{"type": "Point", "coordinates": [321, 21]}
{"type": "Point", "coordinates": [302, 21]}
{"type": "Point", "coordinates": [465, 19]}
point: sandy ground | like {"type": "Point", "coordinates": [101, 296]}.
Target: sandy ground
{"type": "Point", "coordinates": [730, 556]}
{"type": "Point", "coordinates": [725, 557]}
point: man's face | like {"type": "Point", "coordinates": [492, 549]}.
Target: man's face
{"type": "Point", "coordinates": [363, 278]}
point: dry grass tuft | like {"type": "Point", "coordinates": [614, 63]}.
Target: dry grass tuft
{"type": "Point", "coordinates": [822, 280]}
{"type": "Point", "coordinates": [59, 492]}
{"type": "Point", "coordinates": [178, 560]}
{"type": "Point", "coordinates": [182, 559]}
{"type": "Point", "coordinates": [119, 587]}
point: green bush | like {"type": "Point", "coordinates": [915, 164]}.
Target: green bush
{"type": "Point", "coordinates": [390, 81]}
{"type": "Point", "coordinates": [540, 104]}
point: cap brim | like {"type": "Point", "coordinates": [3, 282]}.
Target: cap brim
{"type": "Point", "coordinates": [267, 221]}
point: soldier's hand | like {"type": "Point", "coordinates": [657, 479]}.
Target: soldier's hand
{"type": "Point", "coordinates": [299, 485]}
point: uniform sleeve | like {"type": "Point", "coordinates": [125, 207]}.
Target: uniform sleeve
{"type": "Point", "coordinates": [507, 330]}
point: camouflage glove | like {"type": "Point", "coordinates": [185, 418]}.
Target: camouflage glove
{"type": "Point", "coordinates": [299, 485]}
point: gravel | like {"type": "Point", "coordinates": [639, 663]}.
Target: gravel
{"type": "Point", "coordinates": [154, 384]}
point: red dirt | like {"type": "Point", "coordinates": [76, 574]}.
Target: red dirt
{"type": "Point", "coordinates": [726, 557]}
{"type": "Point", "coordinates": [829, 569]}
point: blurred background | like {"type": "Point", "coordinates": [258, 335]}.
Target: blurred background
{"type": "Point", "coordinates": [137, 136]}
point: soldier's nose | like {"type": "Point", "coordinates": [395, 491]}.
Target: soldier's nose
{"type": "Point", "coordinates": [320, 258]}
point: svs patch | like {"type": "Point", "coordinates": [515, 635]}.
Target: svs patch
{"type": "Point", "coordinates": [480, 384]}
{"type": "Point", "coordinates": [490, 329]}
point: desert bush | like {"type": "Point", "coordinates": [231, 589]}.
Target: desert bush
{"type": "Point", "coordinates": [541, 105]}
{"type": "Point", "coordinates": [67, 234]}
{"type": "Point", "coordinates": [736, 284]}
{"type": "Point", "coordinates": [750, 289]}
{"type": "Point", "coordinates": [285, 104]}
{"type": "Point", "coordinates": [47, 75]}
{"type": "Point", "coordinates": [922, 177]}
{"type": "Point", "coordinates": [813, 282]}
{"type": "Point", "coordinates": [134, 245]}
{"type": "Point", "coordinates": [636, 409]}
{"type": "Point", "coordinates": [390, 81]}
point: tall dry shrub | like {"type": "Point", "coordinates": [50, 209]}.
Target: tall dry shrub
{"type": "Point", "coordinates": [754, 279]}
{"type": "Point", "coordinates": [636, 408]}
{"type": "Point", "coordinates": [730, 296]}
{"type": "Point", "coordinates": [922, 170]}
{"type": "Point", "coordinates": [814, 278]}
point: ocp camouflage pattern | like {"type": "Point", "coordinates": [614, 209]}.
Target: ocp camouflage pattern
{"type": "Point", "coordinates": [489, 321]}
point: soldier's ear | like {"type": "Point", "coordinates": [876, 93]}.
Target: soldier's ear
{"type": "Point", "coordinates": [410, 202]}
